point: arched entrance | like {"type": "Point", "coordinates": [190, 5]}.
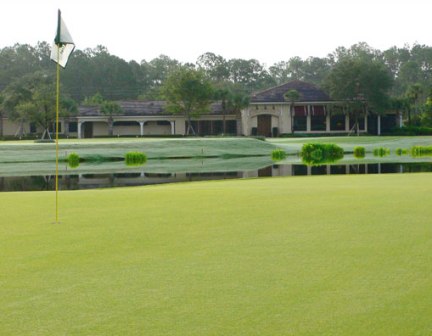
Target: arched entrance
{"type": "Point", "coordinates": [264, 125]}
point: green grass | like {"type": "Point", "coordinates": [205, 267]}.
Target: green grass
{"type": "Point", "coordinates": [117, 148]}
{"type": "Point", "coordinates": [320, 255]}
{"type": "Point", "coordinates": [348, 143]}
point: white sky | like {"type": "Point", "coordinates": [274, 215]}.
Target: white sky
{"type": "Point", "coordinates": [267, 30]}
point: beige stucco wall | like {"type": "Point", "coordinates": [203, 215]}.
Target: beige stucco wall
{"type": "Point", "coordinates": [278, 119]}
{"type": "Point", "coordinates": [10, 128]}
{"type": "Point", "coordinates": [180, 126]}
{"type": "Point", "coordinates": [152, 128]}
{"type": "Point", "coordinates": [99, 129]}
{"type": "Point", "coordinates": [126, 130]}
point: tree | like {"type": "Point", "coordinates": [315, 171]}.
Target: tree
{"type": "Point", "coordinates": [362, 83]}
{"type": "Point", "coordinates": [32, 98]}
{"type": "Point", "coordinates": [237, 101]}
{"type": "Point", "coordinates": [292, 96]}
{"type": "Point", "coordinates": [413, 95]}
{"type": "Point", "coordinates": [222, 95]}
{"type": "Point", "coordinates": [400, 104]}
{"type": "Point", "coordinates": [110, 108]}
{"type": "Point", "coordinates": [250, 74]}
{"type": "Point", "coordinates": [70, 108]}
{"type": "Point", "coordinates": [106, 107]}
{"type": "Point", "coordinates": [214, 66]}
{"type": "Point", "coordinates": [426, 116]}
{"type": "Point", "coordinates": [187, 91]}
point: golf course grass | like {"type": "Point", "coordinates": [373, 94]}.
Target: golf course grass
{"type": "Point", "coordinates": [164, 148]}
{"type": "Point", "coordinates": [349, 142]}
{"type": "Point", "coordinates": [16, 151]}
{"type": "Point", "coordinates": [317, 255]}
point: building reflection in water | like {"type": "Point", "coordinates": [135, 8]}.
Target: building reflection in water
{"type": "Point", "coordinates": [93, 181]}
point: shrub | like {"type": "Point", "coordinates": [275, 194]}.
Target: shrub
{"type": "Point", "coordinates": [73, 160]}
{"type": "Point", "coordinates": [412, 130]}
{"type": "Point", "coordinates": [381, 151]}
{"type": "Point", "coordinates": [401, 151]}
{"type": "Point", "coordinates": [421, 151]}
{"type": "Point", "coordinates": [359, 152]}
{"type": "Point", "coordinates": [135, 158]}
{"type": "Point", "coordinates": [315, 154]}
{"type": "Point", "coordinates": [278, 154]}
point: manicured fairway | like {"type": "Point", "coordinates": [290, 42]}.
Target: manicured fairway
{"type": "Point", "coordinates": [349, 142]}
{"type": "Point", "coordinates": [154, 148]}
{"type": "Point", "coordinates": [320, 255]}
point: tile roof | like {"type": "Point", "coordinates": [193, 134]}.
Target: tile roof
{"type": "Point", "coordinates": [308, 93]}
{"type": "Point", "coordinates": [139, 108]}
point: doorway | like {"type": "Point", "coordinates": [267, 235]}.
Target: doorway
{"type": "Point", "coordinates": [264, 125]}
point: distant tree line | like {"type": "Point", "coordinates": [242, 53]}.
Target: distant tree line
{"type": "Point", "coordinates": [398, 78]}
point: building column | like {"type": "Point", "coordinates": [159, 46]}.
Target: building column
{"type": "Point", "coordinates": [308, 119]}
{"type": "Point", "coordinates": [365, 123]}
{"type": "Point", "coordinates": [328, 120]}
{"type": "Point", "coordinates": [378, 125]}
{"type": "Point", "coordinates": [347, 123]}
{"type": "Point", "coordinates": [400, 120]}
{"type": "Point", "coordinates": [79, 123]}
{"type": "Point", "coordinates": [141, 128]}
{"type": "Point", "coordinates": [172, 127]}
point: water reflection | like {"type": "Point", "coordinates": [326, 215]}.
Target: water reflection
{"type": "Point", "coordinates": [123, 179]}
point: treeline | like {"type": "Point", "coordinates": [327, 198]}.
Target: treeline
{"type": "Point", "coordinates": [405, 82]}
{"type": "Point", "coordinates": [90, 71]}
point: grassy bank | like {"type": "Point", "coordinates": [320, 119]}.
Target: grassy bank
{"type": "Point", "coordinates": [348, 143]}
{"type": "Point", "coordinates": [87, 149]}
{"type": "Point", "coordinates": [322, 255]}
{"type": "Point", "coordinates": [117, 148]}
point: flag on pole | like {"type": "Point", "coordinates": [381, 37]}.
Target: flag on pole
{"type": "Point", "coordinates": [63, 44]}
{"type": "Point", "coordinates": [62, 48]}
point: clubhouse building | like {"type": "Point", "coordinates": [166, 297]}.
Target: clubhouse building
{"type": "Point", "coordinates": [269, 114]}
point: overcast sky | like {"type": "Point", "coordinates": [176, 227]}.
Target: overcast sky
{"type": "Point", "coordinates": [267, 30]}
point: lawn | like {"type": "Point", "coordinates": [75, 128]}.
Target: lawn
{"type": "Point", "coordinates": [348, 143]}
{"type": "Point", "coordinates": [319, 255]}
{"type": "Point", "coordinates": [15, 151]}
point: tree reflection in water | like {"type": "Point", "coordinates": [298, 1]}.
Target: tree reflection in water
{"type": "Point", "coordinates": [121, 179]}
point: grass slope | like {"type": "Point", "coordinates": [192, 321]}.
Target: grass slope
{"type": "Point", "coordinates": [154, 148]}
{"type": "Point", "coordinates": [322, 255]}
{"type": "Point", "coordinates": [348, 143]}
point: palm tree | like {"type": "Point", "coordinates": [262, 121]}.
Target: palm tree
{"type": "Point", "coordinates": [237, 101]}
{"type": "Point", "coordinates": [222, 95]}
{"type": "Point", "coordinates": [400, 104]}
{"type": "Point", "coordinates": [292, 96]}
{"type": "Point", "coordinates": [110, 108]}
{"type": "Point", "coordinates": [413, 94]}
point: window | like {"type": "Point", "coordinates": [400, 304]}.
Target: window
{"type": "Point", "coordinates": [33, 128]}
{"type": "Point", "coordinates": [52, 127]}
{"type": "Point", "coordinates": [318, 123]}
{"type": "Point", "coordinates": [73, 127]}
{"type": "Point", "coordinates": [337, 122]}
{"type": "Point", "coordinates": [300, 123]}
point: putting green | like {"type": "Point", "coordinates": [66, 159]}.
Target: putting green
{"type": "Point", "coordinates": [320, 255]}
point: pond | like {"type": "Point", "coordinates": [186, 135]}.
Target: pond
{"type": "Point", "coordinates": [41, 176]}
